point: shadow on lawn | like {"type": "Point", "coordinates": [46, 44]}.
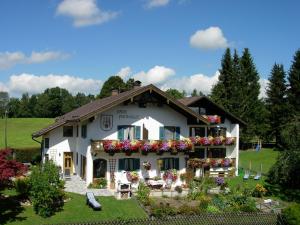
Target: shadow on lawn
{"type": "Point", "coordinates": [10, 208]}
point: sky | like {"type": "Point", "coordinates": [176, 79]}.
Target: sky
{"type": "Point", "coordinates": [78, 44]}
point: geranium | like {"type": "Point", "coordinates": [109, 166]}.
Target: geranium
{"type": "Point", "coordinates": [214, 163]}
{"type": "Point", "coordinates": [170, 175]}
{"type": "Point", "coordinates": [205, 141]}
{"type": "Point", "coordinates": [135, 145]}
{"type": "Point", "coordinates": [146, 147]}
{"type": "Point", "coordinates": [165, 146]}
{"type": "Point", "coordinates": [218, 140]}
{"type": "Point", "coordinates": [230, 141]}
{"type": "Point", "coordinates": [226, 162]}
{"type": "Point", "coordinates": [147, 165]}
{"type": "Point", "coordinates": [214, 119]}
{"type": "Point", "coordinates": [181, 145]}
{"type": "Point", "coordinates": [126, 145]}
{"type": "Point", "coordinates": [110, 146]}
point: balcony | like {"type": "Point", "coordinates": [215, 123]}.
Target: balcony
{"type": "Point", "coordinates": [158, 146]}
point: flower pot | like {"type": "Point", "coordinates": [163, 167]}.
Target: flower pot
{"type": "Point", "coordinates": [159, 152]}
{"type": "Point", "coordinates": [111, 153]}
{"type": "Point", "coordinates": [144, 153]}
{"type": "Point", "coordinates": [128, 153]}
{"type": "Point", "coordinates": [174, 152]}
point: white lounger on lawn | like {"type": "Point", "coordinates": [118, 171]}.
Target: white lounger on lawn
{"type": "Point", "coordinates": [257, 177]}
{"type": "Point", "coordinates": [247, 175]}
{"type": "Point", "coordinates": [91, 201]}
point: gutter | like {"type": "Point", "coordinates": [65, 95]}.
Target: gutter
{"type": "Point", "coordinates": [41, 152]}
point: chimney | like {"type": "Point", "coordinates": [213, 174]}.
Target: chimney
{"type": "Point", "coordinates": [114, 92]}
{"type": "Point", "coordinates": [137, 84]}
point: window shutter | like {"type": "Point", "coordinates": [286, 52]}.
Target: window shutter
{"type": "Point", "coordinates": [176, 163]}
{"type": "Point", "coordinates": [121, 164]}
{"type": "Point", "coordinates": [137, 133]}
{"type": "Point", "coordinates": [121, 133]}
{"type": "Point", "coordinates": [136, 164]}
{"type": "Point", "coordinates": [177, 133]}
{"type": "Point", "coordinates": [161, 133]}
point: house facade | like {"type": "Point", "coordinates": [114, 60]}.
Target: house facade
{"type": "Point", "coordinates": [143, 134]}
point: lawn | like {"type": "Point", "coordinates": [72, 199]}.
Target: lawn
{"type": "Point", "coordinates": [265, 157]}
{"type": "Point", "coordinates": [75, 210]}
{"type": "Point", "coordinates": [19, 131]}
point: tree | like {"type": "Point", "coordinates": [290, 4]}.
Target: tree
{"type": "Point", "coordinates": [250, 105]}
{"type": "Point", "coordinates": [221, 92]}
{"type": "Point", "coordinates": [276, 101]}
{"type": "Point", "coordinates": [113, 82]}
{"type": "Point", "coordinates": [46, 192]}
{"type": "Point", "coordinates": [13, 107]}
{"type": "Point", "coordinates": [129, 84]}
{"type": "Point", "coordinates": [294, 85]}
{"type": "Point", "coordinates": [9, 168]}
{"type": "Point", "coordinates": [24, 110]}
{"type": "Point", "coordinates": [4, 99]}
{"type": "Point", "coordinates": [175, 93]}
{"type": "Point", "coordinates": [194, 93]}
{"type": "Point", "coordinates": [287, 167]}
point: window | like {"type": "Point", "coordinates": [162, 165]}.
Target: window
{"type": "Point", "coordinates": [195, 109]}
{"type": "Point", "coordinates": [202, 111]}
{"type": "Point", "coordinates": [84, 131]}
{"type": "Point", "coordinates": [129, 164]}
{"type": "Point", "coordinates": [99, 168]}
{"type": "Point", "coordinates": [46, 142]}
{"type": "Point", "coordinates": [217, 153]}
{"type": "Point", "coordinates": [197, 131]}
{"type": "Point", "coordinates": [170, 163]}
{"type": "Point", "coordinates": [217, 131]}
{"type": "Point", "coordinates": [198, 153]}
{"type": "Point", "coordinates": [128, 132]}
{"type": "Point", "coordinates": [68, 131]}
{"type": "Point", "coordinates": [169, 133]}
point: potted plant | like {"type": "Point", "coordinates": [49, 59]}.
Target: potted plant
{"type": "Point", "coordinates": [132, 176]}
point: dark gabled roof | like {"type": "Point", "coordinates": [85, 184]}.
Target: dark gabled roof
{"type": "Point", "coordinates": [188, 101]}
{"type": "Point", "coordinates": [86, 111]}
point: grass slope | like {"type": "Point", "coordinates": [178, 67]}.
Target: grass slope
{"type": "Point", "coordinates": [76, 210]}
{"type": "Point", "coordinates": [266, 157]}
{"type": "Point", "coordinates": [19, 131]}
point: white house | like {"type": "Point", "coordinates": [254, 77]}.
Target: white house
{"type": "Point", "coordinates": [146, 131]}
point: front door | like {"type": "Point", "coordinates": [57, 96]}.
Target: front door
{"type": "Point", "coordinates": [100, 168]}
{"type": "Point", "coordinates": [68, 163]}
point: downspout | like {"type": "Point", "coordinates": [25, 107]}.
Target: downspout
{"type": "Point", "coordinates": [41, 152]}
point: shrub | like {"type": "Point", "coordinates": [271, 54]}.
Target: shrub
{"type": "Point", "coordinates": [259, 191]}
{"type": "Point", "coordinates": [188, 210]}
{"type": "Point", "coordinates": [98, 183]}
{"type": "Point", "coordinates": [46, 192]}
{"type": "Point", "coordinates": [204, 202]}
{"type": "Point", "coordinates": [212, 209]}
{"type": "Point", "coordinates": [22, 185]}
{"type": "Point", "coordinates": [291, 214]}
{"type": "Point", "coordinates": [163, 210]}
{"type": "Point", "coordinates": [143, 193]}
{"type": "Point", "coordinates": [27, 154]}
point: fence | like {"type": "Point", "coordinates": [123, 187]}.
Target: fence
{"type": "Point", "coordinates": [201, 219]}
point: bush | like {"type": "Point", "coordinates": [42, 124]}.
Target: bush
{"type": "Point", "coordinates": [204, 202]}
{"type": "Point", "coordinates": [188, 210]}
{"type": "Point", "coordinates": [22, 185]}
{"type": "Point", "coordinates": [163, 210]}
{"type": "Point", "coordinates": [259, 191]}
{"type": "Point", "coordinates": [143, 193]}
{"type": "Point", "coordinates": [291, 214]}
{"type": "Point", "coordinates": [46, 192]}
{"type": "Point", "coordinates": [27, 154]}
{"type": "Point", "coordinates": [212, 209]}
{"type": "Point", "coordinates": [98, 183]}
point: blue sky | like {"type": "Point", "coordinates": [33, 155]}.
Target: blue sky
{"type": "Point", "coordinates": [77, 44]}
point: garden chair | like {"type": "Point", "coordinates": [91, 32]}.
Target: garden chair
{"type": "Point", "coordinates": [92, 202]}
{"type": "Point", "coordinates": [258, 176]}
{"type": "Point", "coordinates": [247, 175]}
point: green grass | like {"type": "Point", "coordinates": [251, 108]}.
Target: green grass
{"type": "Point", "coordinates": [19, 131]}
{"type": "Point", "coordinates": [75, 210]}
{"type": "Point", "coordinates": [266, 157]}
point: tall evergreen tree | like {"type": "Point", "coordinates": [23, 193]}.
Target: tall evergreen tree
{"type": "Point", "coordinates": [250, 105]}
{"type": "Point", "coordinates": [276, 101]}
{"type": "Point", "coordinates": [175, 93]}
{"type": "Point", "coordinates": [221, 91]}
{"type": "Point", "coordinates": [194, 93]}
{"type": "Point", "coordinates": [294, 85]}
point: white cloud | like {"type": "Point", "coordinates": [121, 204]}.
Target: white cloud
{"type": "Point", "coordinates": [10, 59]}
{"type": "Point", "coordinates": [156, 3]}
{"type": "Point", "coordinates": [156, 75]}
{"type": "Point", "coordinates": [200, 82]}
{"type": "Point", "coordinates": [3, 87]}
{"type": "Point", "coordinates": [210, 38]}
{"type": "Point", "coordinates": [84, 12]}
{"type": "Point", "coordinates": [124, 72]}
{"type": "Point", "coordinates": [33, 84]}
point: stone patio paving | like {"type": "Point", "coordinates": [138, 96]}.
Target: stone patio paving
{"type": "Point", "coordinates": [77, 185]}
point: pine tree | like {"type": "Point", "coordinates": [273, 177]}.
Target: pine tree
{"type": "Point", "coordinates": [113, 82]}
{"type": "Point", "coordinates": [276, 101]}
{"type": "Point", "coordinates": [294, 85]}
{"type": "Point", "coordinates": [194, 93]}
{"type": "Point", "coordinates": [250, 89]}
{"type": "Point", "coordinates": [221, 91]}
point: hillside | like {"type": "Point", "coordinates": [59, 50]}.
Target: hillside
{"type": "Point", "coordinates": [19, 131]}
